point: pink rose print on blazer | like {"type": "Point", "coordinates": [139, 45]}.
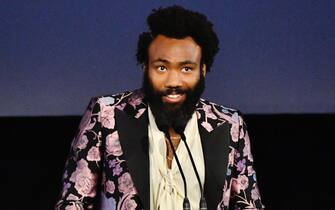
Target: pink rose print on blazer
{"type": "Point", "coordinates": [110, 187]}
{"type": "Point", "coordinates": [84, 180]}
{"type": "Point", "coordinates": [107, 117]}
{"type": "Point", "coordinates": [93, 154]}
{"type": "Point", "coordinates": [113, 145]}
{"type": "Point", "coordinates": [129, 204]}
{"type": "Point", "coordinates": [126, 184]}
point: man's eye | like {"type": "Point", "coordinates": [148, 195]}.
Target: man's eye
{"type": "Point", "coordinates": [187, 69]}
{"type": "Point", "coordinates": [161, 68]}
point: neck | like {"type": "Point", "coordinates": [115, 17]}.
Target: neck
{"type": "Point", "coordinates": [175, 138]}
{"type": "Point", "coordinates": [173, 133]}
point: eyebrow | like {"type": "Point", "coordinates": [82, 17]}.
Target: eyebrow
{"type": "Point", "coordinates": [180, 63]}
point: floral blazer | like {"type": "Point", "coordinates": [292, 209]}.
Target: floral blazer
{"type": "Point", "coordinates": [108, 164]}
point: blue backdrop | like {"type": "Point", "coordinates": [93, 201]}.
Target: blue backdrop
{"type": "Point", "coordinates": [275, 56]}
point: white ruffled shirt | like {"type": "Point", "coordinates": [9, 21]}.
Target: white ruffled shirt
{"type": "Point", "coordinates": [166, 185]}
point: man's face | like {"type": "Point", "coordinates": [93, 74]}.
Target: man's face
{"type": "Point", "coordinates": [173, 69]}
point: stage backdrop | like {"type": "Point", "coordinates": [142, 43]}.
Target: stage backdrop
{"type": "Point", "coordinates": [276, 56]}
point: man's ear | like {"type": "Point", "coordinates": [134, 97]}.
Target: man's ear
{"type": "Point", "coordinates": [204, 70]}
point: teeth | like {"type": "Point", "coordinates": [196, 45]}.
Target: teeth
{"type": "Point", "coordinates": [173, 96]}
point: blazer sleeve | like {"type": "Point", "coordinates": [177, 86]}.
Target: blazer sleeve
{"type": "Point", "coordinates": [242, 190]}
{"type": "Point", "coordinates": [83, 164]}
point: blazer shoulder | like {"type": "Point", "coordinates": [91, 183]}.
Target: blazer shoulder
{"type": "Point", "coordinates": [117, 98]}
{"type": "Point", "coordinates": [228, 114]}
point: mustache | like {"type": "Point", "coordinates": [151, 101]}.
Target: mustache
{"type": "Point", "coordinates": [174, 90]}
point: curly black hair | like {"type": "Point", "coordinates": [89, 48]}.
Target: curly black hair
{"type": "Point", "coordinates": [178, 22]}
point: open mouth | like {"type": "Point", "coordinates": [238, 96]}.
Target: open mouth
{"type": "Point", "coordinates": [174, 98]}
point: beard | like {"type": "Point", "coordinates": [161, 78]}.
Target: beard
{"type": "Point", "coordinates": [170, 115]}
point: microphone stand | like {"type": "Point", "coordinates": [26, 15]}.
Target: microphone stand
{"type": "Point", "coordinates": [186, 202]}
{"type": "Point", "coordinates": [202, 204]}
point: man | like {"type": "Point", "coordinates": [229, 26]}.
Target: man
{"type": "Point", "coordinates": [133, 150]}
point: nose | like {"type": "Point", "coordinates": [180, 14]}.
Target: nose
{"type": "Point", "coordinates": [173, 79]}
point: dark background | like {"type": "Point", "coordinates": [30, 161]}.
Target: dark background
{"type": "Point", "coordinates": [276, 65]}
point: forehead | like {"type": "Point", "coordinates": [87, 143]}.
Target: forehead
{"type": "Point", "coordinates": [174, 50]}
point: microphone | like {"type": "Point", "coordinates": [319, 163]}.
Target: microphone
{"type": "Point", "coordinates": [186, 202]}
{"type": "Point", "coordinates": [202, 203]}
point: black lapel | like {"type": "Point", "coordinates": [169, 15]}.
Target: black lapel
{"type": "Point", "coordinates": [133, 134]}
{"type": "Point", "coordinates": [215, 146]}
